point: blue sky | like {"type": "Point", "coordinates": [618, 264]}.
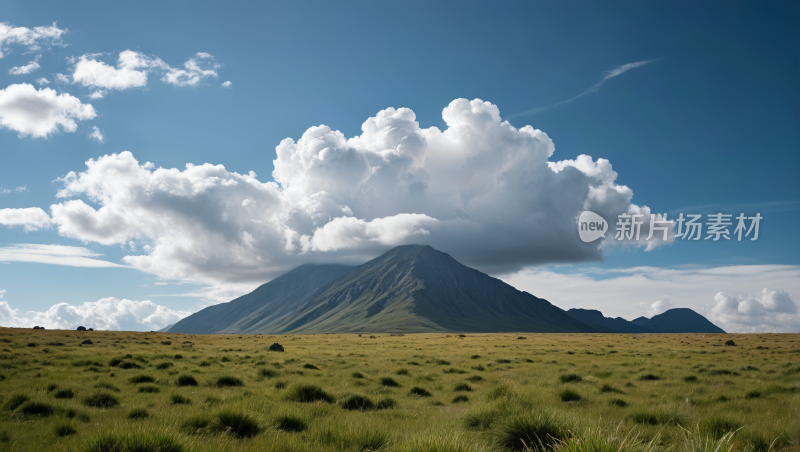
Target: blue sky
{"type": "Point", "coordinates": [709, 124]}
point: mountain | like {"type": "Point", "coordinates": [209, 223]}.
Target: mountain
{"type": "Point", "coordinates": [414, 289]}
{"type": "Point", "coordinates": [595, 318]}
{"type": "Point", "coordinates": [640, 320]}
{"type": "Point", "coordinates": [267, 303]}
{"type": "Point", "coordinates": [166, 328]}
{"type": "Point", "coordinates": [680, 320]}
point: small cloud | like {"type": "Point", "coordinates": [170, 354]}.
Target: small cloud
{"type": "Point", "coordinates": [38, 113]}
{"type": "Point", "coordinates": [21, 189]}
{"type": "Point", "coordinates": [42, 81]}
{"type": "Point", "coordinates": [227, 84]}
{"type": "Point", "coordinates": [32, 66]}
{"type": "Point", "coordinates": [661, 306]}
{"type": "Point", "coordinates": [31, 38]}
{"type": "Point", "coordinates": [97, 135]}
{"type": "Point", "coordinates": [61, 78]}
{"type": "Point", "coordinates": [31, 218]}
{"type": "Point", "coordinates": [3, 191]}
{"type": "Point", "coordinates": [99, 94]}
{"type": "Point", "coordinates": [3, 293]}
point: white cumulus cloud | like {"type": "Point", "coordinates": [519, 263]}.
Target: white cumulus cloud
{"type": "Point", "coordinates": [227, 84]}
{"type": "Point", "coordinates": [42, 81]}
{"type": "Point", "coordinates": [132, 69]}
{"type": "Point", "coordinates": [481, 189]}
{"type": "Point", "coordinates": [32, 66]}
{"type": "Point", "coordinates": [31, 38]}
{"type": "Point", "coordinates": [105, 314]}
{"type": "Point", "coordinates": [38, 113]}
{"type": "Point", "coordinates": [771, 310]}
{"type": "Point", "coordinates": [31, 218]}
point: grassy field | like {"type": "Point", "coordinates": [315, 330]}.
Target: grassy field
{"type": "Point", "coordinates": [144, 392]}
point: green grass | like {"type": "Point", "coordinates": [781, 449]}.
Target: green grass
{"type": "Point", "coordinates": [520, 382]}
{"type": "Point", "coordinates": [390, 382]}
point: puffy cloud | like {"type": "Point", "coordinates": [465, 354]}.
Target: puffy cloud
{"type": "Point", "coordinates": [104, 314]}
{"type": "Point", "coordinates": [32, 66]}
{"type": "Point", "coordinates": [31, 38]}
{"type": "Point", "coordinates": [41, 112]}
{"type": "Point", "coordinates": [194, 71]}
{"type": "Point", "coordinates": [2, 293]}
{"type": "Point", "coordinates": [31, 218]}
{"type": "Point", "coordinates": [42, 81]}
{"type": "Point", "coordinates": [227, 84]}
{"type": "Point", "coordinates": [482, 190]}
{"type": "Point", "coordinates": [770, 310]}
{"type": "Point", "coordinates": [97, 135]}
{"type": "Point", "coordinates": [132, 69]}
{"type": "Point", "coordinates": [618, 292]}
{"type": "Point", "coordinates": [662, 305]}
{"type": "Point", "coordinates": [71, 256]}
{"type": "Point", "coordinates": [22, 188]}
{"type": "Point", "coordinates": [61, 78]}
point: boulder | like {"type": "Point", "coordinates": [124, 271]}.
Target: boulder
{"type": "Point", "coordinates": [90, 329]}
{"type": "Point", "coordinates": [81, 328]}
{"type": "Point", "coordinates": [730, 343]}
{"type": "Point", "coordinates": [276, 347]}
{"type": "Point", "coordinates": [87, 342]}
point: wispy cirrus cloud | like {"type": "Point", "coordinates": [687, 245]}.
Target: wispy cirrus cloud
{"type": "Point", "coordinates": [32, 66]}
{"type": "Point", "coordinates": [70, 256]}
{"type": "Point", "coordinates": [617, 71]}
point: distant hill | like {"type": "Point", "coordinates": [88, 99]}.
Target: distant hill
{"type": "Point", "coordinates": [680, 320]}
{"type": "Point", "coordinates": [595, 318]}
{"type": "Point", "coordinates": [410, 289]}
{"type": "Point", "coordinates": [277, 298]}
{"type": "Point", "coordinates": [166, 328]}
{"type": "Point", "coordinates": [415, 288]}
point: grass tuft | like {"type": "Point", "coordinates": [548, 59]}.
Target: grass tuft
{"type": "Point", "coordinates": [460, 399]}
{"type": "Point", "coordinates": [618, 403]}
{"type": "Point", "coordinates": [101, 400]}
{"type": "Point", "coordinates": [186, 380]}
{"type": "Point", "coordinates": [64, 394]}
{"type": "Point", "coordinates": [357, 402]}
{"type": "Point", "coordinates": [386, 404]}
{"type": "Point", "coordinates": [63, 429]}
{"type": "Point", "coordinates": [178, 399]}
{"type": "Point", "coordinates": [649, 377]}
{"type": "Point", "coordinates": [15, 401]}
{"type": "Point", "coordinates": [228, 381]}
{"type": "Point", "coordinates": [131, 442]}
{"type": "Point", "coordinates": [289, 423]}
{"type": "Point", "coordinates": [462, 387]}
{"type": "Point", "coordinates": [390, 382]}
{"type": "Point", "coordinates": [149, 389]}
{"type": "Point", "coordinates": [141, 379]}
{"type": "Point", "coordinates": [308, 393]}
{"type": "Point", "coordinates": [239, 425]}
{"type": "Point", "coordinates": [570, 378]}
{"type": "Point", "coordinates": [416, 391]}
{"type": "Point", "coordinates": [523, 433]}
{"type": "Point", "coordinates": [138, 413]}
{"type": "Point", "coordinates": [569, 395]}
{"type": "Point", "coordinates": [717, 426]}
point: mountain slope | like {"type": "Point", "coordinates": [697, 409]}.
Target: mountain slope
{"type": "Point", "coordinates": [595, 318]}
{"type": "Point", "coordinates": [415, 288]}
{"type": "Point", "coordinates": [269, 301]}
{"type": "Point", "coordinates": [640, 320]}
{"type": "Point", "coordinates": [681, 320]}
